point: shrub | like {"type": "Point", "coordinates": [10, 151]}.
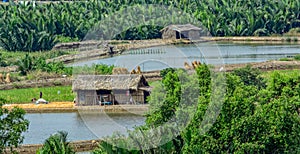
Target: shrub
{"type": "Point", "coordinates": [57, 144]}
{"type": "Point", "coordinates": [250, 76]}
{"type": "Point", "coordinates": [285, 59]}
{"type": "Point", "coordinates": [297, 57]}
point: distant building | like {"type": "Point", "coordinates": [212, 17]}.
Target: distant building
{"type": "Point", "coordinates": [111, 89]}
{"type": "Point", "coordinates": [187, 31]}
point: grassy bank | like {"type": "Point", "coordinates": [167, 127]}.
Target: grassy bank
{"type": "Point", "coordinates": [11, 58]}
{"type": "Point", "coordinates": [51, 94]}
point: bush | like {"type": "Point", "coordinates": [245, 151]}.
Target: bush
{"type": "Point", "coordinates": [94, 69]}
{"type": "Point", "coordinates": [57, 144]}
{"type": "Point", "coordinates": [3, 63]}
{"type": "Point", "coordinates": [250, 76]}
{"type": "Point", "coordinates": [297, 57]}
{"type": "Point", "coordinates": [29, 63]}
{"type": "Point", "coordinates": [285, 59]}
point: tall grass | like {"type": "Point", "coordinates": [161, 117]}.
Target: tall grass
{"type": "Point", "coordinates": [51, 94]}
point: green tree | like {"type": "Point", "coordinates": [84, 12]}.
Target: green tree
{"type": "Point", "coordinates": [167, 108]}
{"type": "Point", "coordinates": [12, 125]}
{"type": "Point", "coordinates": [56, 144]}
{"type": "Point", "coordinates": [250, 76]}
{"type": "Point", "coordinates": [253, 119]}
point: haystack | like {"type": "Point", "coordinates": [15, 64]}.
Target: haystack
{"type": "Point", "coordinates": [133, 71]}
{"type": "Point", "coordinates": [119, 70]}
{"type": "Point", "coordinates": [139, 70]}
{"type": "Point", "coordinates": [1, 78]}
{"type": "Point", "coordinates": [7, 79]}
{"type": "Point", "coordinates": [195, 64]}
{"type": "Point", "coordinates": [187, 66]}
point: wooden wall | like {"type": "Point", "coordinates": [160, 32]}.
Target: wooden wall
{"type": "Point", "coordinates": [87, 97]}
{"type": "Point", "coordinates": [90, 97]}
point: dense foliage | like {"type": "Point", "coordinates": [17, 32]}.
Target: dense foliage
{"type": "Point", "coordinates": [12, 58]}
{"type": "Point", "coordinates": [95, 69]}
{"type": "Point", "coordinates": [3, 62]}
{"type": "Point", "coordinates": [28, 27]}
{"type": "Point", "coordinates": [30, 63]}
{"type": "Point", "coordinates": [56, 144]}
{"type": "Point", "coordinates": [297, 57]}
{"type": "Point", "coordinates": [12, 125]}
{"type": "Point", "coordinates": [254, 118]}
{"type": "Point", "coordinates": [142, 32]}
{"type": "Point", "coordinates": [250, 76]}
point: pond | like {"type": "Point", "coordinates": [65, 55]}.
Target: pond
{"type": "Point", "coordinates": [156, 58]}
{"type": "Point", "coordinates": [87, 126]}
{"type": "Point", "coordinates": [79, 125]}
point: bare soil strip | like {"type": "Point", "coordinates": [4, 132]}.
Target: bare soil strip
{"type": "Point", "coordinates": [71, 107]}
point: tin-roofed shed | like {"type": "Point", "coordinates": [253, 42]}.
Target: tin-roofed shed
{"type": "Point", "coordinates": [111, 89]}
{"type": "Point", "coordinates": [187, 31]}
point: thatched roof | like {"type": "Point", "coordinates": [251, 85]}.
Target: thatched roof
{"type": "Point", "coordinates": [109, 82]}
{"type": "Point", "coordinates": [182, 28]}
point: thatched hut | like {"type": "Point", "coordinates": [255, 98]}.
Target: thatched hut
{"type": "Point", "coordinates": [111, 89]}
{"type": "Point", "coordinates": [187, 31]}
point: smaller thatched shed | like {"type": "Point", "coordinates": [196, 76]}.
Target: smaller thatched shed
{"type": "Point", "coordinates": [111, 89]}
{"type": "Point", "coordinates": [187, 31]}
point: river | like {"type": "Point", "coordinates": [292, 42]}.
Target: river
{"type": "Point", "coordinates": [79, 125]}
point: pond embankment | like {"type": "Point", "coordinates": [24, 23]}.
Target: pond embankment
{"type": "Point", "coordinates": [256, 39]}
{"type": "Point", "coordinates": [102, 49]}
{"type": "Point", "coordinates": [154, 75]}
{"type": "Point", "coordinates": [78, 146]}
{"type": "Point", "coordinates": [264, 66]}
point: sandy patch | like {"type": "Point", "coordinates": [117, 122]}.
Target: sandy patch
{"type": "Point", "coordinates": [41, 106]}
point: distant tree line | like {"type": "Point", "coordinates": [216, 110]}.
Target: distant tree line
{"type": "Point", "coordinates": [28, 27]}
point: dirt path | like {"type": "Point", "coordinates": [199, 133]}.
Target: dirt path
{"type": "Point", "coordinates": [51, 107]}
{"type": "Point", "coordinates": [71, 107]}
